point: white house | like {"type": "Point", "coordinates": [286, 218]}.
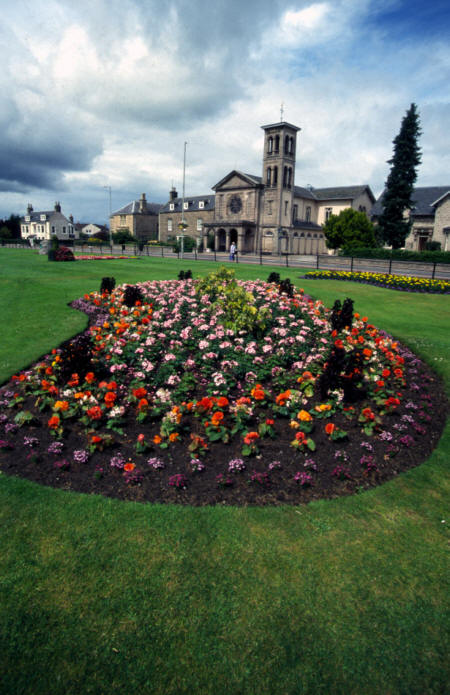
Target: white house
{"type": "Point", "coordinates": [43, 225]}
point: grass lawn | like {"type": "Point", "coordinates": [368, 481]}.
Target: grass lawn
{"type": "Point", "coordinates": [99, 596]}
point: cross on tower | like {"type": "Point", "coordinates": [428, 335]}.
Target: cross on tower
{"type": "Point", "coordinates": [281, 111]}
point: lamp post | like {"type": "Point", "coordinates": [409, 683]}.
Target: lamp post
{"type": "Point", "coordinates": [108, 188]}
{"type": "Point", "coordinates": [182, 226]}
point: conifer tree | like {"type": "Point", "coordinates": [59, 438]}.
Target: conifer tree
{"type": "Point", "coordinates": [397, 197]}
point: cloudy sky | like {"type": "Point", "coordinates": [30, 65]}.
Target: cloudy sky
{"type": "Point", "coordinates": [106, 92]}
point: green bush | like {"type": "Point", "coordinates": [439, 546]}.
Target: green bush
{"type": "Point", "coordinates": [52, 249]}
{"type": "Point", "coordinates": [189, 244]}
{"type": "Point", "coordinates": [399, 255]}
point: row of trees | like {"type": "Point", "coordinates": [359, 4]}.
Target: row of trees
{"type": "Point", "coordinates": [10, 228]}
{"type": "Point", "coordinates": [351, 229]}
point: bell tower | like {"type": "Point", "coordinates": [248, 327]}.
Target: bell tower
{"type": "Point", "coordinates": [280, 145]}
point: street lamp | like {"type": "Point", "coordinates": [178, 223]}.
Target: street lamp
{"type": "Point", "coordinates": [108, 188]}
{"type": "Point", "coordinates": [182, 226]}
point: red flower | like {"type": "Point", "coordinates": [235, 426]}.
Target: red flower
{"type": "Point", "coordinates": [95, 413]}
{"type": "Point", "coordinates": [330, 428]}
{"type": "Point", "coordinates": [140, 392]}
{"type": "Point", "coordinates": [251, 437]}
{"type": "Point", "coordinates": [269, 421]}
{"type": "Point", "coordinates": [53, 423]}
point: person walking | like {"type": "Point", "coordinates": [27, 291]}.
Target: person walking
{"type": "Point", "coordinates": [232, 251]}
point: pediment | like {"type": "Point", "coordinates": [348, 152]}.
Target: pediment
{"type": "Point", "coordinates": [236, 180]}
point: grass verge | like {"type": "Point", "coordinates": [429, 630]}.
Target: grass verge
{"type": "Point", "coordinates": [342, 596]}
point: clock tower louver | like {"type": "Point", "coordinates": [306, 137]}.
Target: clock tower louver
{"type": "Point", "coordinates": [280, 144]}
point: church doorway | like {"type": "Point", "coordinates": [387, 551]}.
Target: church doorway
{"type": "Point", "coordinates": [249, 240]}
{"type": "Point", "coordinates": [233, 236]}
{"type": "Point", "coordinates": [221, 240]}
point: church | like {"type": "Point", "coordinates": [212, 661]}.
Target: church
{"type": "Point", "coordinates": [263, 214]}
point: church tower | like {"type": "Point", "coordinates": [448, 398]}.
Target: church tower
{"type": "Point", "coordinates": [280, 144]}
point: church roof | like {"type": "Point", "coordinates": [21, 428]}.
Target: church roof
{"type": "Point", "coordinates": [281, 125]}
{"type": "Point", "coordinates": [423, 198]}
{"type": "Point", "coordinates": [249, 178]}
{"type": "Point", "coordinates": [342, 192]}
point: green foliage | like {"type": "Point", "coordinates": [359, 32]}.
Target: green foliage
{"type": "Point", "coordinates": [433, 246]}
{"type": "Point", "coordinates": [53, 247]}
{"type": "Point", "coordinates": [123, 236]}
{"type": "Point", "coordinates": [188, 244]}
{"type": "Point", "coordinates": [399, 254]}
{"type": "Point", "coordinates": [5, 233]}
{"type": "Point", "coordinates": [397, 197]}
{"type": "Point", "coordinates": [237, 305]}
{"type": "Point", "coordinates": [350, 229]}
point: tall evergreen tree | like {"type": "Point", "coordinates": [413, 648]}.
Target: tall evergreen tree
{"type": "Point", "coordinates": [397, 197]}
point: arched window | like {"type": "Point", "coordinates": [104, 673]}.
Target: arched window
{"type": "Point", "coordinates": [295, 235]}
{"type": "Point", "coordinates": [286, 144]}
{"type": "Point", "coordinates": [291, 145]}
{"type": "Point", "coordinates": [289, 183]}
{"type": "Point", "coordinates": [302, 235]}
{"type": "Point", "coordinates": [270, 145]}
{"type": "Point", "coordinates": [308, 214]}
{"type": "Point", "coordinates": [275, 176]}
{"type": "Point", "coordinates": [269, 176]}
{"type": "Point", "coordinates": [285, 177]}
{"type": "Point", "coordinates": [277, 143]}
{"type": "Point", "coordinates": [268, 234]}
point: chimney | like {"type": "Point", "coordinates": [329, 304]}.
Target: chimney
{"type": "Point", "coordinates": [29, 208]}
{"type": "Point", "coordinates": [71, 218]}
{"type": "Point", "coordinates": [57, 206]}
{"type": "Point", "coordinates": [142, 203]}
{"type": "Point", "coordinates": [173, 193]}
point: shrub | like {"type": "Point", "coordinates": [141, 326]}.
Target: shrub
{"type": "Point", "coordinates": [132, 294]}
{"type": "Point", "coordinates": [188, 244]}
{"type": "Point", "coordinates": [107, 285]}
{"type": "Point", "coordinates": [64, 254]}
{"type": "Point", "coordinates": [398, 254]}
{"type": "Point", "coordinates": [274, 277]}
{"type": "Point", "coordinates": [52, 249]}
{"type": "Point", "coordinates": [185, 275]}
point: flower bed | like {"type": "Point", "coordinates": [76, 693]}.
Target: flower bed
{"type": "Point", "coordinates": [85, 257]}
{"type": "Point", "coordinates": [393, 282]}
{"type": "Point", "coordinates": [218, 391]}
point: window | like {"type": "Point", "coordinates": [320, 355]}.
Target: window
{"type": "Point", "coordinates": [169, 224]}
{"type": "Point", "coordinates": [269, 176]}
{"type": "Point", "coordinates": [362, 208]}
{"type": "Point", "coordinates": [171, 206]}
{"type": "Point", "coordinates": [199, 224]}
{"type": "Point", "coordinates": [291, 145]}
{"type": "Point", "coordinates": [286, 204]}
{"type": "Point", "coordinates": [328, 213]}
{"type": "Point", "coordinates": [308, 214]}
{"type": "Point", "coordinates": [185, 205]}
{"type": "Point", "coordinates": [285, 177]}
{"type": "Point", "coordinates": [275, 176]}
{"type": "Point", "coordinates": [295, 213]}
{"type": "Point", "coordinates": [270, 145]}
{"type": "Point", "coordinates": [27, 218]}
{"type": "Point", "coordinates": [286, 145]}
{"type": "Point", "coordinates": [64, 230]}
{"type": "Point", "coordinates": [43, 218]}
{"type": "Point", "coordinates": [123, 220]}
{"type": "Point", "coordinates": [53, 230]}
{"type": "Point", "coordinates": [269, 207]}
{"type": "Point", "coordinates": [201, 204]}
{"type": "Point", "coordinates": [268, 234]}
{"type": "Point", "coordinates": [277, 143]}
{"type": "Point", "coordinates": [289, 177]}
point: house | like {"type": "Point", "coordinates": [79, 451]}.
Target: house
{"type": "Point", "coordinates": [139, 218]}
{"type": "Point", "coordinates": [430, 217]}
{"type": "Point", "coordinates": [94, 229]}
{"type": "Point", "coordinates": [42, 225]}
{"type": "Point", "coordinates": [268, 213]}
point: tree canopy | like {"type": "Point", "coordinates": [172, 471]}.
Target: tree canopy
{"type": "Point", "coordinates": [350, 229]}
{"type": "Point", "coordinates": [397, 197]}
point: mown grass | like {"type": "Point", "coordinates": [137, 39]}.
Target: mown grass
{"type": "Point", "coordinates": [342, 596]}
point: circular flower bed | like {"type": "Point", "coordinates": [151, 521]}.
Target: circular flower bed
{"type": "Point", "coordinates": [219, 391]}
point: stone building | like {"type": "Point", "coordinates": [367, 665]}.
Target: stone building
{"type": "Point", "coordinates": [139, 217]}
{"type": "Point", "coordinates": [267, 213]}
{"type": "Point", "coordinates": [42, 225]}
{"type": "Point", "coordinates": [430, 217]}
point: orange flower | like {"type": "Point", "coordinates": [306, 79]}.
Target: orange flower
{"type": "Point", "coordinates": [90, 377]}
{"type": "Point", "coordinates": [283, 397]}
{"type": "Point", "coordinates": [95, 439]}
{"type": "Point", "coordinates": [307, 375]}
{"type": "Point", "coordinates": [140, 392]}
{"type": "Point", "coordinates": [205, 403]}
{"type": "Point", "coordinates": [74, 380]}
{"type": "Point", "coordinates": [128, 467]}
{"type": "Point", "coordinates": [251, 437]}
{"type": "Point", "coordinates": [157, 439]}
{"type": "Point", "coordinates": [61, 405]}
{"type": "Point", "coordinates": [222, 402]}
{"type": "Point", "coordinates": [330, 428]}
{"type": "Point", "coordinates": [173, 436]}
{"type": "Point", "coordinates": [304, 416]}
{"type": "Point", "coordinates": [217, 418]}
{"type": "Point", "coordinates": [53, 423]}
{"type": "Point", "coordinates": [258, 393]}
{"type": "Point", "coordinates": [243, 400]}
{"type": "Point", "coordinates": [367, 353]}
{"type": "Point", "coordinates": [368, 414]}
{"type": "Point", "coordinates": [110, 397]}
{"type": "Point", "coordinates": [95, 413]}
{"type": "Point", "coordinates": [301, 437]}
{"type": "Point", "coordinates": [321, 408]}
{"type": "Point", "coordinates": [143, 403]}
{"type": "Point", "coordinates": [338, 343]}
{"type": "Point", "coordinates": [79, 395]}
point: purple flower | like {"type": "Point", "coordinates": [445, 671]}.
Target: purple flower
{"type": "Point", "coordinates": [156, 463]}
{"type": "Point", "coordinates": [31, 442]}
{"type": "Point", "coordinates": [407, 440]}
{"type": "Point", "coordinates": [81, 456]}
{"type": "Point", "coordinates": [55, 448]}
{"type": "Point", "coordinates": [260, 478]}
{"type": "Point", "coordinates": [197, 465]}
{"type": "Point", "coordinates": [63, 464]}
{"type": "Point", "coordinates": [117, 461]}
{"type": "Point", "coordinates": [386, 436]}
{"type": "Point", "coordinates": [11, 427]}
{"type": "Point", "coordinates": [303, 478]}
{"type": "Point", "coordinates": [275, 465]}
{"type": "Point", "coordinates": [178, 481]}
{"type": "Point", "coordinates": [341, 472]}
{"type": "Point", "coordinates": [236, 465]}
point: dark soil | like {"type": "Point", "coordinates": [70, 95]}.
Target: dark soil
{"type": "Point", "coordinates": [424, 403]}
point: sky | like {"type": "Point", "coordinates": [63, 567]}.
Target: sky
{"type": "Point", "coordinates": [99, 97]}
